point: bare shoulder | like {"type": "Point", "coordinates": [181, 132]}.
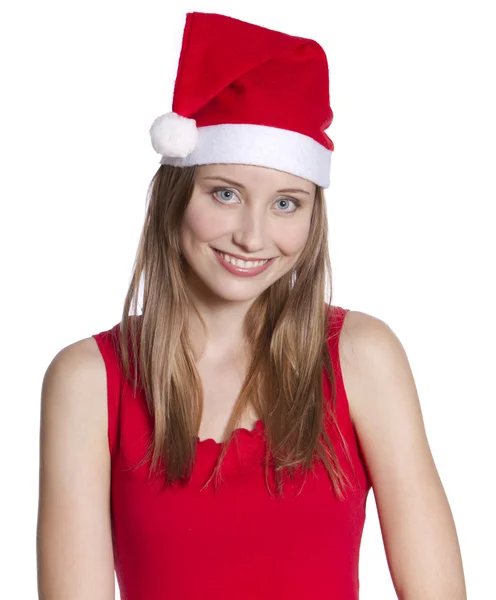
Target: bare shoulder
{"type": "Point", "coordinates": [360, 327]}
{"type": "Point", "coordinates": [82, 354]}
{"type": "Point", "coordinates": [366, 342]}
{"type": "Point", "coordinates": [74, 543]}
{"type": "Point", "coordinates": [386, 411]}
{"type": "Point", "coordinates": [74, 388]}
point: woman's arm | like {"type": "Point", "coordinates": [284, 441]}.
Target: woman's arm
{"type": "Point", "coordinates": [74, 540]}
{"type": "Point", "coordinates": [417, 525]}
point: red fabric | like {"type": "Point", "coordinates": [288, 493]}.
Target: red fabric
{"type": "Point", "coordinates": [242, 543]}
{"type": "Point", "coordinates": [231, 71]}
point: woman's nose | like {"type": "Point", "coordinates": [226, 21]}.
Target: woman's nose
{"type": "Point", "coordinates": [251, 230]}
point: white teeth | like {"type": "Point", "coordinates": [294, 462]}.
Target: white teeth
{"type": "Point", "coordinates": [242, 263]}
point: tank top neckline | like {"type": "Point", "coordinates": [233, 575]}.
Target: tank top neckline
{"type": "Point", "coordinates": [258, 430]}
{"type": "Point", "coordinates": [240, 432]}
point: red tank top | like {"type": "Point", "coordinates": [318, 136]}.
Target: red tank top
{"type": "Point", "coordinates": [240, 543]}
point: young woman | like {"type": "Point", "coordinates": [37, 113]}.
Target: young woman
{"type": "Point", "coordinates": [222, 442]}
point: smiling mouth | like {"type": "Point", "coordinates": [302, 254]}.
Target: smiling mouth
{"type": "Point", "coordinates": [241, 264]}
{"type": "Point", "coordinates": [243, 259]}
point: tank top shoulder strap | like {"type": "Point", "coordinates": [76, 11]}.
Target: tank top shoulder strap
{"type": "Point", "coordinates": [337, 315]}
{"type": "Point", "coordinates": [336, 320]}
{"type": "Point", "coordinates": [107, 343]}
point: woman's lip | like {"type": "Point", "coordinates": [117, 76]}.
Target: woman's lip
{"type": "Point", "coordinates": [240, 271]}
{"type": "Point", "coordinates": [238, 256]}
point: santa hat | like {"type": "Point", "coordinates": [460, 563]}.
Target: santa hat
{"type": "Point", "coordinates": [246, 94]}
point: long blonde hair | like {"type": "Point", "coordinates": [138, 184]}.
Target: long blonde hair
{"type": "Point", "coordinates": [285, 330]}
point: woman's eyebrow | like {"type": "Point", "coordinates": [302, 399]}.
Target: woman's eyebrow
{"type": "Point", "coordinates": [230, 182]}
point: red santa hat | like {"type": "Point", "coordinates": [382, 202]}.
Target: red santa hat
{"type": "Point", "coordinates": [246, 94]}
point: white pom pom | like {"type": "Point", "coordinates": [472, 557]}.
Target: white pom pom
{"type": "Point", "coordinates": [174, 135]}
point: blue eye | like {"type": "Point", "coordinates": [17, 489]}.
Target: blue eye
{"type": "Point", "coordinates": [294, 201]}
{"type": "Point", "coordinates": [216, 191]}
{"type": "Point", "coordinates": [224, 191]}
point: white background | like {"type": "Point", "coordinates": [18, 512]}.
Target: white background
{"type": "Point", "coordinates": [411, 210]}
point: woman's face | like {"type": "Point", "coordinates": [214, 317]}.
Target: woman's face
{"type": "Point", "coordinates": [260, 213]}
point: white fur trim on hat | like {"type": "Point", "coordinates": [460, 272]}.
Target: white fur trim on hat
{"type": "Point", "coordinates": [174, 135]}
{"type": "Point", "coordinates": [261, 145]}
